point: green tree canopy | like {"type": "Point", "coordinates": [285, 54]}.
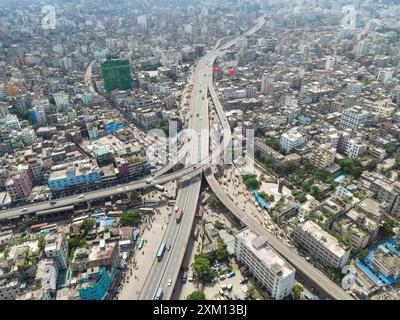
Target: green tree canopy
{"type": "Point", "coordinates": [251, 182]}
{"type": "Point", "coordinates": [219, 225]}
{"type": "Point", "coordinates": [202, 268]}
{"type": "Point", "coordinates": [297, 290]}
{"type": "Point", "coordinates": [196, 295]}
{"type": "Point", "coordinates": [87, 225]}
{"type": "Point", "coordinates": [214, 203]}
{"type": "Point", "coordinates": [352, 166]}
{"type": "Point", "coordinates": [130, 218]}
{"type": "Point", "coordinates": [134, 196]}
{"type": "Point", "coordinates": [222, 253]}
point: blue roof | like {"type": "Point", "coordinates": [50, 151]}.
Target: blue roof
{"type": "Point", "coordinates": [260, 200]}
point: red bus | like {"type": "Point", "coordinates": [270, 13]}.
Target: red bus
{"type": "Point", "coordinates": [37, 227]}
{"type": "Point", "coordinates": [178, 215]}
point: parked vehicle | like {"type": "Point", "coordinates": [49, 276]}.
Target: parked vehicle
{"type": "Point", "coordinates": [184, 276]}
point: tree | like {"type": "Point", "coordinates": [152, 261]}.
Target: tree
{"type": "Point", "coordinates": [264, 196]}
{"type": "Point", "coordinates": [251, 182]}
{"type": "Point", "coordinates": [74, 243]}
{"type": "Point", "coordinates": [222, 254]}
{"type": "Point", "coordinates": [164, 126]}
{"type": "Point", "coordinates": [196, 295]}
{"type": "Point", "coordinates": [202, 268]}
{"type": "Point", "coordinates": [362, 254]}
{"type": "Point", "coordinates": [214, 203]}
{"type": "Point", "coordinates": [134, 196]}
{"type": "Point", "coordinates": [316, 193]}
{"type": "Point", "coordinates": [86, 225]}
{"type": "Point", "coordinates": [329, 180]}
{"type": "Point", "coordinates": [219, 225]}
{"type": "Point", "coordinates": [22, 228]}
{"type": "Point", "coordinates": [301, 197]}
{"type": "Point", "coordinates": [130, 218]}
{"type": "Point", "coordinates": [41, 242]}
{"type": "Point", "coordinates": [352, 166]}
{"type": "Point", "coordinates": [371, 165]}
{"type": "Point", "coordinates": [297, 290]}
{"type": "Point", "coordinates": [391, 149]}
{"type": "Point", "coordinates": [252, 293]}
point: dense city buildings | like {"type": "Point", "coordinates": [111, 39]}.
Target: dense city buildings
{"type": "Point", "coordinates": [111, 115]}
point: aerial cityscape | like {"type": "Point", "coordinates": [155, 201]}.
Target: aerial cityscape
{"type": "Point", "coordinates": [200, 150]}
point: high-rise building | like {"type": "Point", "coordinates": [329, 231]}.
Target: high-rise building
{"type": "Point", "coordinates": [38, 115]}
{"type": "Point", "coordinates": [354, 117]}
{"type": "Point", "coordinates": [61, 99]}
{"type": "Point", "coordinates": [116, 75]}
{"type": "Point", "coordinates": [323, 156]}
{"type": "Point", "coordinates": [355, 148]}
{"type": "Point", "coordinates": [266, 84]}
{"type": "Point", "coordinates": [19, 185]}
{"type": "Point", "coordinates": [291, 140]}
{"type": "Point", "coordinates": [267, 266]}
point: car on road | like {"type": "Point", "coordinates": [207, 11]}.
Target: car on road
{"type": "Point", "coordinates": [168, 246]}
{"type": "Point", "coordinates": [231, 274]}
{"type": "Point", "coordinates": [243, 280]}
{"type": "Point", "coordinates": [81, 196]}
{"type": "Point", "coordinates": [184, 276]}
{"type": "Point", "coordinates": [24, 209]}
{"type": "Point", "coordinates": [190, 277]}
{"type": "Point", "coordinates": [53, 202]}
{"type": "Point", "coordinates": [222, 277]}
{"type": "Point", "coordinates": [169, 282]}
{"type": "Point", "coordinates": [236, 296]}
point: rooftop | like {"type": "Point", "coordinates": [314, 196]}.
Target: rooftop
{"type": "Point", "coordinates": [260, 248]}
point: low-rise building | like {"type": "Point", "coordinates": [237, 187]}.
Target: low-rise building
{"type": "Point", "coordinates": [320, 245]}
{"type": "Point", "coordinates": [291, 140]}
{"type": "Point", "coordinates": [56, 247]}
{"type": "Point", "coordinates": [72, 174]}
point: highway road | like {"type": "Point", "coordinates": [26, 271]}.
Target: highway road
{"type": "Point", "coordinates": [159, 178]}
{"type": "Point", "coordinates": [166, 271]}
{"type": "Point", "coordinates": [320, 280]}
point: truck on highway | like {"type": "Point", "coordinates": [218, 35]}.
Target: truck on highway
{"type": "Point", "coordinates": [159, 187]}
{"type": "Point", "coordinates": [178, 215]}
{"type": "Point", "coordinates": [161, 250]}
{"type": "Point", "coordinates": [159, 294]}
